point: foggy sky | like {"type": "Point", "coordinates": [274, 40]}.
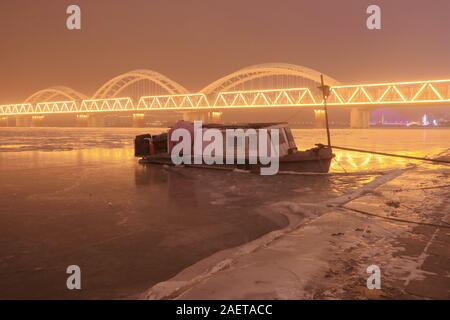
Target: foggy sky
{"type": "Point", "coordinates": [194, 42]}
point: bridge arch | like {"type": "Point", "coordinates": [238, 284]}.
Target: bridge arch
{"type": "Point", "coordinates": [265, 70]}
{"type": "Point", "coordinates": [116, 85]}
{"type": "Point", "coordinates": [53, 93]}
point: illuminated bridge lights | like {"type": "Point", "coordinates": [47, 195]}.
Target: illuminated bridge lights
{"type": "Point", "coordinates": [51, 93]}
{"type": "Point", "coordinates": [408, 93]}
{"type": "Point", "coordinates": [265, 98]}
{"type": "Point", "coordinates": [56, 107]}
{"type": "Point", "coordinates": [366, 95]}
{"type": "Point", "coordinates": [22, 108]}
{"type": "Point", "coordinates": [107, 105]}
{"type": "Point", "coordinates": [116, 85]}
{"type": "Point", "coordinates": [171, 102]}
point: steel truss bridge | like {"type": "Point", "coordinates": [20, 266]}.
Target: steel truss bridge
{"type": "Point", "coordinates": [229, 92]}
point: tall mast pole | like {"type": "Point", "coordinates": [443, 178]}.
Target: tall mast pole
{"type": "Point", "coordinates": [325, 94]}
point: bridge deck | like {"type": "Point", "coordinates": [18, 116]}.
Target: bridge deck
{"type": "Point", "coordinates": [394, 94]}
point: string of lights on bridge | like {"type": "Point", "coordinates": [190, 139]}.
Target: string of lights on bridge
{"type": "Point", "coordinates": [220, 94]}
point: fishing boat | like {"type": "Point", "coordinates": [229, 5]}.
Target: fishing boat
{"type": "Point", "coordinates": [157, 149]}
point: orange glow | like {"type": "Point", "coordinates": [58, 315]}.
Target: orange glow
{"type": "Point", "coordinates": [400, 93]}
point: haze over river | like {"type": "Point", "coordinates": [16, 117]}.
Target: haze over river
{"type": "Point", "coordinates": [78, 197]}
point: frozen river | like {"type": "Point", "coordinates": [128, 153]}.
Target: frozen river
{"type": "Point", "coordinates": [78, 197]}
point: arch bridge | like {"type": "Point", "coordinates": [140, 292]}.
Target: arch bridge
{"type": "Point", "coordinates": [264, 86]}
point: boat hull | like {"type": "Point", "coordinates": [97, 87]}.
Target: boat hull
{"type": "Point", "coordinates": [316, 160]}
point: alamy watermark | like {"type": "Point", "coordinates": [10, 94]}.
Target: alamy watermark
{"type": "Point", "coordinates": [374, 20]}
{"type": "Point", "coordinates": [73, 21]}
{"type": "Point", "coordinates": [73, 282]}
{"type": "Point", "coordinates": [374, 279]}
{"type": "Point", "coordinates": [241, 146]}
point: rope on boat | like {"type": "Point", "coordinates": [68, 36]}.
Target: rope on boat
{"type": "Point", "coordinates": [339, 164]}
{"type": "Point", "coordinates": [393, 155]}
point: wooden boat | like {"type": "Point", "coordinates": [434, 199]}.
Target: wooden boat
{"type": "Point", "coordinates": [156, 150]}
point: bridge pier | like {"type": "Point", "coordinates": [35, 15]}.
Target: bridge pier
{"type": "Point", "coordinates": [138, 120]}
{"type": "Point", "coordinates": [204, 116]}
{"type": "Point", "coordinates": [4, 121]}
{"type": "Point", "coordinates": [91, 120]}
{"type": "Point", "coordinates": [37, 121]}
{"type": "Point", "coordinates": [319, 118]}
{"type": "Point", "coordinates": [82, 120]}
{"type": "Point", "coordinates": [359, 118]}
{"type": "Point", "coordinates": [23, 121]}
{"type": "Point", "coordinates": [215, 116]}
